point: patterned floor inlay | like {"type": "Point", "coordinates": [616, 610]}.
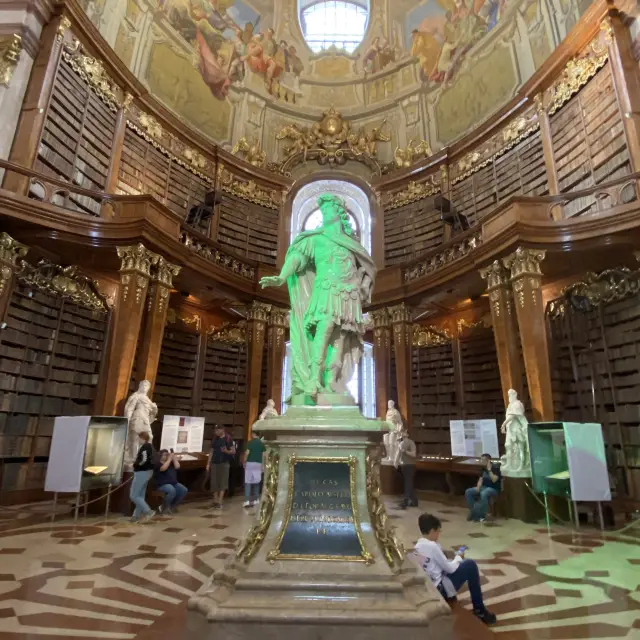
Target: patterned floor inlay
{"type": "Point", "coordinates": [117, 581]}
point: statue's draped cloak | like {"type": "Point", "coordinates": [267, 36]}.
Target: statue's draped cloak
{"type": "Point", "coordinates": [344, 306]}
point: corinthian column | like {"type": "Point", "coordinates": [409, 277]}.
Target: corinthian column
{"type": "Point", "coordinates": [382, 359]}
{"type": "Point", "coordinates": [257, 318]}
{"type": "Point", "coordinates": [526, 281]}
{"type": "Point", "coordinates": [505, 327]}
{"type": "Point", "coordinates": [276, 348]}
{"type": "Point", "coordinates": [402, 343]}
{"type": "Point", "coordinates": [135, 273]}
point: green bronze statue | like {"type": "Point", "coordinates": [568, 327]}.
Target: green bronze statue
{"type": "Point", "coordinates": [330, 276]}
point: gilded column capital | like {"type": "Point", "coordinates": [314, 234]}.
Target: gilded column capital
{"type": "Point", "coordinates": [10, 49]}
{"type": "Point", "coordinates": [278, 317]}
{"type": "Point", "coordinates": [524, 262]}
{"type": "Point", "coordinates": [63, 27]}
{"type": "Point", "coordinates": [400, 313]}
{"type": "Point", "coordinates": [165, 272]}
{"type": "Point", "coordinates": [495, 275]}
{"type": "Point", "coordinates": [10, 251]}
{"type": "Point", "coordinates": [259, 311]}
{"type": "Point", "coordinates": [381, 318]}
{"type": "Point", "coordinates": [137, 258]}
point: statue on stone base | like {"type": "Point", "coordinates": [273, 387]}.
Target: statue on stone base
{"type": "Point", "coordinates": [516, 461]}
{"type": "Point", "coordinates": [391, 439]}
{"type": "Point", "coordinates": [330, 276]}
{"type": "Point", "coordinates": [141, 412]}
{"type": "Point", "coordinates": [269, 411]}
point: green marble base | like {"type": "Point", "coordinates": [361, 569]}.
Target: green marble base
{"type": "Point", "coordinates": [321, 552]}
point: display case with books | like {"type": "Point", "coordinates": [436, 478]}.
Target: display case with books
{"type": "Point", "coordinates": [86, 453]}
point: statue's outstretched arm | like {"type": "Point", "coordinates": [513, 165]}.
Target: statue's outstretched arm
{"type": "Point", "coordinates": [293, 264]}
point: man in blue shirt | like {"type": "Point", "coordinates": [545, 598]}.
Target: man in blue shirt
{"type": "Point", "coordinates": [166, 478]}
{"type": "Point", "coordinates": [489, 486]}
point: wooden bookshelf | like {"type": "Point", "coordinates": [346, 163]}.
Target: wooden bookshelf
{"type": "Point", "coordinates": [588, 141]}
{"type": "Point", "coordinates": [224, 386]}
{"type": "Point", "coordinates": [249, 229]}
{"type": "Point", "coordinates": [77, 139]}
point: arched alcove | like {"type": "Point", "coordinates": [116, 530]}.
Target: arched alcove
{"type": "Point", "coordinates": [356, 200]}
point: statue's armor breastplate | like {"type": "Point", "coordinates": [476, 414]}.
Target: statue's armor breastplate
{"type": "Point", "coordinates": [337, 268]}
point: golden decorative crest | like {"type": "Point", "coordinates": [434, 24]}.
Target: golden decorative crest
{"type": "Point", "coordinates": [194, 158]}
{"type": "Point", "coordinates": [67, 282]}
{"type": "Point", "coordinates": [413, 192]}
{"type": "Point", "coordinates": [251, 544]}
{"type": "Point", "coordinates": [229, 333]}
{"type": "Point", "coordinates": [513, 130]}
{"type": "Point", "coordinates": [150, 125]}
{"type": "Point", "coordinates": [385, 534]}
{"type": "Point", "coordinates": [10, 49]}
{"type": "Point", "coordinates": [250, 152]}
{"type": "Point", "coordinates": [332, 141]}
{"type": "Point", "coordinates": [414, 151]}
{"type": "Point", "coordinates": [468, 161]}
{"type": "Point", "coordinates": [429, 336]}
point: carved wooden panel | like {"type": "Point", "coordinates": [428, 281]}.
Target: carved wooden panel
{"type": "Point", "coordinates": [249, 229]}
{"type": "Point", "coordinates": [411, 230]}
{"type": "Point", "coordinates": [77, 138]}
{"type": "Point", "coordinates": [588, 141]}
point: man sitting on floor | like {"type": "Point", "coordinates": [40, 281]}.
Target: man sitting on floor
{"type": "Point", "coordinates": [449, 576]}
{"type": "Point", "coordinates": [166, 478]}
{"type": "Point", "coordinates": [489, 485]}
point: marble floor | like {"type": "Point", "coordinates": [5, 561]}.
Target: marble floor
{"type": "Point", "coordinates": [113, 580]}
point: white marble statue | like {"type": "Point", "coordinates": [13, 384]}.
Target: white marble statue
{"type": "Point", "coordinates": [390, 439]}
{"type": "Point", "coordinates": [269, 411]}
{"type": "Point", "coordinates": [516, 462]}
{"type": "Point", "coordinates": [141, 412]}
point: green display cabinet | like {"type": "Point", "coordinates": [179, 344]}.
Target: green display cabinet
{"type": "Point", "coordinates": [568, 461]}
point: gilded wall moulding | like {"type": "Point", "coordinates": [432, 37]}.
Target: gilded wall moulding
{"type": "Point", "coordinates": [248, 190]}
{"type": "Point", "coordinates": [173, 317]}
{"type": "Point", "coordinates": [215, 255]}
{"type": "Point", "coordinates": [578, 71]}
{"type": "Point", "coordinates": [66, 282]}
{"type": "Point", "coordinates": [407, 157]}
{"type": "Point", "coordinates": [10, 251]}
{"type": "Point", "coordinates": [138, 259]}
{"type": "Point", "coordinates": [596, 289]}
{"type": "Point", "coordinates": [10, 50]}
{"type": "Point", "coordinates": [331, 140]}
{"type": "Point", "coordinates": [413, 192]}
{"type": "Point", "coordinates": [429, 336]}
{"type": "Point", "coordinates": [91, 71]}
{"type": "Point", "coordinates": [436, 261]}
{"type": "Point", "coordinates": [229, 333]}
{"type": "Point", "coordinates": [391, 547]}
{"type": "Point", "coordinates": [147, 127]}
{"type": "Point", "coordinates": [502, 141]}
{"type": "Point", "coordinates": [250, 152]}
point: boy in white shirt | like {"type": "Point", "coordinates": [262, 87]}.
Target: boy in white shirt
{"type": "Point", "coordinates": [449, 575]}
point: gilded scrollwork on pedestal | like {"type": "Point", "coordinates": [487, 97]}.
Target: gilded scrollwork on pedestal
{"type": "Point", "coordinates": [10, 252]}
{"type": "Point", "coordinates": [67, 282]}
{"type": "Point", "coordinates": [254, 539]}
{"type": "Point", "coordinates": [10, 49]}
{"type": "Point", "coordinates": [385, 534]}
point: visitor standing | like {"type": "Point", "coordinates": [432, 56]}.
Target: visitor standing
{"type": "Point", "coordinates": [406, 460]}
{"type": "Point", "coordinates": [222, 451]}
{"type": "Point", "coordinates": [253, 457]}
{"type": "Point", "coordinates": [142, 472]}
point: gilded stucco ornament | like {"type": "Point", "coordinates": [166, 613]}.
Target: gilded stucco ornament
{"type": "Point", "coordinates": [430, 336]}
{"type": "Point", "coordinates": [250, 151]}
{"type": "Point", "coordinates": [331, 140]}
{"type": "Point", "coordinates": [10, 252]}
{"type": "Point", "coordinates": [248, 190]}
{"type": "Point", "coordinates": [229, 333]}
{"type": "Point", "coordinates": [67, 282]}
{"type": "Point", "coordinates": [10, 49]}
{"type": "Point", "coordinates": [405, 158]}
{"type": "Point", "coordinates": [413, 192]}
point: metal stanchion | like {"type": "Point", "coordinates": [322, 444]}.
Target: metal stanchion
{"type": "Point", "coordinates": [570, 506]}
{"type": "Point", "coordinates": [546, 511]}
{"type": "Point", "coordinates": [55, 506]}
{"type": "Point", "coordinates": [575, 510]}
{"type": "Point", "coordinates": [108, 502]}
{"type": "Point", "coordinates": [600, 516]}
{"type": "Point", "coordinates": [76, 508]}
{"type": "Point", "coordinates": [86, 503]}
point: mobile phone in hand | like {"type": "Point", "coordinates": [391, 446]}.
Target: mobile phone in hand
{"type": "Point", "coordinates": [462, 549]}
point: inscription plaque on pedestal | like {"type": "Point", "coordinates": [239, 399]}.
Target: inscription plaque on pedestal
{"type": "Point", "coordinates": [321, 517]}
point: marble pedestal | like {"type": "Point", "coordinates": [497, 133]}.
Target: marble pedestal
{"type": "Point", "coordinates": [267, 592]}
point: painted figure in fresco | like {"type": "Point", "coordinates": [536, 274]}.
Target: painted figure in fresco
{"type": "Point", "coordinates": [330, 276]}
{"type": "Point", "coordinates": [515, 462]}
{"type": "Point", "coordinates": [141, 412]}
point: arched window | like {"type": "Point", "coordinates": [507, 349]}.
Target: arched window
{"type": "Point", "coordinates": [334, 23]}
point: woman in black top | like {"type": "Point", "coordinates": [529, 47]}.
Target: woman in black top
{"type": "Point", "coordinates": [142, 472]}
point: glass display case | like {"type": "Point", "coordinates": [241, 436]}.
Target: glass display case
{"type": "Point", "coordinates": [568, 460]}
{"type": "Point", "coordinates": [86, 453]}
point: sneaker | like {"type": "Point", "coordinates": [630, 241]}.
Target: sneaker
{"type": "Point", "coordinates": [485, 616]}
{"type": "Point", "coordinates": [247, 503]}
{"type": "Point", "coordinates": [255, 503]}
{"type": "Point", "coordinates": [482, 520]}
{"type": "Point", "coordinates": [217, 506]}
{"type": "Point", "coordinates": [148, 517]}
{"type": "Point", "coordinates": [161, 510]}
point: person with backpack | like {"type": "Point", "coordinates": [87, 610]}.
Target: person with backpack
{"type": "Point", "coordinates": [142, 472]}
